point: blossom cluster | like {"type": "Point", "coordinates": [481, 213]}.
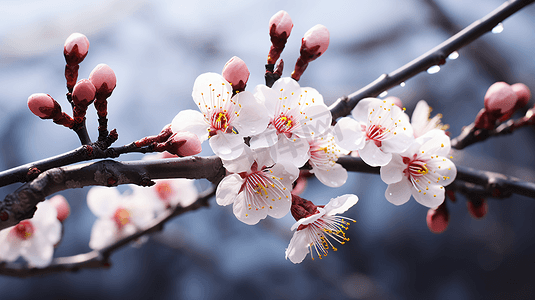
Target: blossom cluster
{"type": "Point", "coordinates": [263, 137]}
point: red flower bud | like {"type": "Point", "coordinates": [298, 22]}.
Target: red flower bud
{"type": "Point", "coordinates": [43, 106]}
{"type": "Point", "coordinates": [62, 207]}
{"type": "Point", "coordinates": [438, 219]}
{"type": "Point", "coordinates": [83, 93]}
{"type": "Point", "coordinates": [104, 80]}
{"type": "Point", "coordinates": [236, 73]}
{"type": "Point", "coordinates": [75, 48]}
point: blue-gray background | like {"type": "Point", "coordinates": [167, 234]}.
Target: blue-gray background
{"type": "Point", "coordinates": [158, 48]}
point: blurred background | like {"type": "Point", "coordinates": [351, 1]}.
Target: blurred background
{"type": "Point", "coordinates": [158, 48]}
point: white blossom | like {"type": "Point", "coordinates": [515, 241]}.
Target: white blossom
{"type": "Point", "coordinates": [379, 128]}
{"type": "Point", "coordinates": [258, 187]}
{"type": "Point", "coordinates": [118, 215]}
{"type": "Point", "coordinates": [420, 121]}
{"type": "Point", "coordinates": [323, 155]}
{"type": "Point", "coordinates": [422, 171]}
{"type": "Point", "coordinates": [224, 119]}
{"type": "Point", "coordinates": [33, 239]}
{"type": "Point", "coordinates": [313, 232]}
{"type": "Point", "coordinates": [296, 114]}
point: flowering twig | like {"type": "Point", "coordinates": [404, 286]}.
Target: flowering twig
{"type": "Point", "coordinates": [436, 56]}
{"type": "Point", "coordinates": [100, 258]}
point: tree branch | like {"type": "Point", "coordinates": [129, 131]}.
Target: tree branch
{"type": "Point", "coordinates": [436, 56]}
{"type": "Point", "coordinates": [20, 204]}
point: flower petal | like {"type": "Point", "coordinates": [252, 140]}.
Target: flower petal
{"type": "Point", "coordinates": [10, 247]}
{"type": "Point", "coordinates": [209, 90]}
{"type": "Point", "coordinates": [227, 145]}
{"type": "Point", "coordinates": [228, 189]}
{"type": "Point", "coordinates": [39, 251]}
{"type": "Point", "coordinates": [398, 193]}
{"type": "Point", "coordinates": [294, 150]}
{"type": "Point", "coordinates": [340, 204]}
{"type": "Point", "coordinates": [103, 201]}
{"type": "Point", "coordinates": [192, 121]}
{"type": "Point", "coordinates": [253, 117]}
{"type": "Point", "coordinates": [335, 176]}
{"type": "Point", "coordinates": [265, 139]}
{"type": "Point", "coordinates": [348, 134]}
{"type": "Point", "coordinates": [393, 171]}
{"type": "Point", "coordinates": [373, 156]}
{"type": "Point", "coordinates": [317, 119]}
{"type": "Point", "coordinates": [298, 248]}
{"type": "Point", "coordinates": [103, 233]}
{"type": "Point", "coordinates": [431, 197]}
{"type": "Point", "coordinates": [362, 109]}
{"type": "Point", "coordinates": [246, 215]}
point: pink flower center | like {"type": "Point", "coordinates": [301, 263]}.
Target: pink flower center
{"type": "Point", "coordinates": [376, 133]}
{"type": "Point", "coordinates": [415, 167]}
{"type": "Point", "coordinates": [24, 230]}
{"type": "Point", "coordinates": [284, 123]}
{"type": "Point", "coordinates": [121, 217]}
{"type": "Point", "coordinates": [164, 191]}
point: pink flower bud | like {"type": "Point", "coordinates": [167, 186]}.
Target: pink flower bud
{"type": "Point", "coordinates": [62, 207]}
{"type": "Point", "coordinates": [315, 41]}
{"type": "Point", "coordinates": [42, 105]}
{"type": "Point", "coordinates": [236, 73]}
{"type": "Point", "coordinates": [75, 48]}
{"type": "Point", "coordinates": [478, 208]}
{"type": "Point", "coordinates": [104, 80]}
{"type": "Point", "coordinates": [280, 25]}
{"type": "Point", "coordinates": [437, 219]}
{"type": "Point", "coordinates": [500, 97]}
{"type": "Point", "coordinates": [184, 143]}
{"type": "Point", "coordinates": [522, 92]}
{"type": "Point", "coordinates": [83, 93]}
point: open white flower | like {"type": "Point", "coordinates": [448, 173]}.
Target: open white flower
{"type": "Point", "coordinates": [258, 188]}
{"type": "Point", "coordinates": [118, 215]}
{"type": "Point", "coordinates": [422, 171]}
{"type": "Point", "coordinates": [421, 124]}
{"type": "Point", "coordinates": [167, 193]}
{"type": "Point", "coordinates": [312, 232]}
{"type": "Point", "coordinates": [379, 128]}
{"type": "Point", "coordinates": [323, 155]}
{"type": "Point", "coordinates": [33, 239]}
{"type": "Point", "coordinates": [296, 114]}
{"type": "Point", "coordinates": [224, 118]}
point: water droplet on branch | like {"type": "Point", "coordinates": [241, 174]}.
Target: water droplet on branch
{"type": "Point", "coordinates": [453, 55]}
{"type": "Point", "coordinates": [402, 84]}
{"type": "Point", "coordinates": [383, 94]}
{"type": "Point", "coordinates": [498, 28]}
{"type": "Point", "coordinates": [434, 69]}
